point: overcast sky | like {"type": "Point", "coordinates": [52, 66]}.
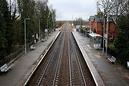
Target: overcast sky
{"type": "Point", "coordinates": [72, 9]}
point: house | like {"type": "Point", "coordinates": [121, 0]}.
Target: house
{"type": "Point", "coordinates": [97, 26]}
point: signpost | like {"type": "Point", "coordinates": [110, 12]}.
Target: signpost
{"type": "Point", "coordinates": [46, 31]}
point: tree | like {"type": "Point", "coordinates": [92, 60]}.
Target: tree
{"type": "Point", "coordinates": [12, 15]}
{"type": "Point", "coordinates": [3, 41]}
{"type": "Point", "coordinates": [27, 10]}
{"type": "Point", "coordinates": [119, 8]}
{"type": "Point", "coordinates": [122, 41]}
{"type": "Point", "coordinates": [42, 16]}
{"type": "Point", "coordinates": [113, 7]}
{"type": "Point", "coordinates": [5, 29]}
{"type": "Point", "coordinates": [53, 17]}
{"type": "Point", "coordinates": [46, 16]}
{"type": "Point", "coordinates": [79, 21]}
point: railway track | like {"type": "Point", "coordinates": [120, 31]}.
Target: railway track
{"type": "Point", "coordinates": [63, 65]}
{"type": "Point", "coordinates": [82, 76]}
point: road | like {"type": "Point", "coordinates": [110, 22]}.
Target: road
{"type": "Point", "coordinates": [63, 65]}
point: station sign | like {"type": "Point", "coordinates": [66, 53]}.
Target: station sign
{"type": "Point", "coordinates": [46, 30]}
{"type": "Point", "coordinates": [105, 36]}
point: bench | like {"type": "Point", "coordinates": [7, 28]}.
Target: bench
{"type": "Point", "coordinates": [112, 59]}
{"type": "Point", "coordinates": [4, 68]}
{"type": "Point", "coordinates": [127, 64]}
{"type": "Point", "coordinates": [32, 47]}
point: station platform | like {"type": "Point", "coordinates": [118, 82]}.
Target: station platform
{"type": "Point", "coordinates": [111, 74]}
{"type": "Point", "coordinates": [25, 64]}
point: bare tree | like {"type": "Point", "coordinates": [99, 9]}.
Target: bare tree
{"type": "Point", "coordinates": [13, 8]}
{"type": "Point", "coordinates": [114, 7]}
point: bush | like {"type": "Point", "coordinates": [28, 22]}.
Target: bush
{"type": "Point", "coordinates": [112, 49]}
{"type": "Point", "coordinates": [121, 43]}
{"type": "Point", "coordinates": [81, 30]}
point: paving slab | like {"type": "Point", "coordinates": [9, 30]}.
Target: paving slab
{"type": "Point", "coordinates": [24, 65]}
{"type": "Point", "coordinates": [111, 74]}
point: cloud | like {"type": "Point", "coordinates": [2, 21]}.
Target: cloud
{"type": "Point", "coordinates": [71, 9]}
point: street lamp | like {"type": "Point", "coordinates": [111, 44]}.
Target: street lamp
{"type": "Point", "coordinates": [52, 21]}
{"type": "Point", "coordinates": [47, 24]}
{"type": "Point", "coordinates": [107, 33]}
{"type": "Point", "coordinates": [104, 32]}
{"type": "Point", "coordinates": [25, 32]}
{"type": "Point", "coordinates": [47, 19]}
{"type": "Point", "coordinates": [39, 30]}
{"type": "Point", "coordinates": [90, 25]}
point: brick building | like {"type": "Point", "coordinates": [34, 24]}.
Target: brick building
{"type": "Point", "coordinates": [96, 25]}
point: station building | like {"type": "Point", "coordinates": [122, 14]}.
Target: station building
{"type": "Point", "coordinates": [96, 25]}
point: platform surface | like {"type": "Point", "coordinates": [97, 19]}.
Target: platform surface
{"type": "Point", "coordinates": [111, 74]}
{"type": "Point", "coordinates": [24, 65]}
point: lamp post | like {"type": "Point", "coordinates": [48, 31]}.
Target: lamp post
{"type": "Point", "coordinates": [47, 24]}
{"type": "Point", "coordinates": [90, 25]}
{"type": "Point", "coordinates": [25, 32]}
{"type": "Point", "coordinates": [39, 30]}
{"type": "Point", "coordinates": [52, 15]}
{"type": "Point", "coordinates": [104, 32]}
{"type": "Point", "coordinates": [107, 27]}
